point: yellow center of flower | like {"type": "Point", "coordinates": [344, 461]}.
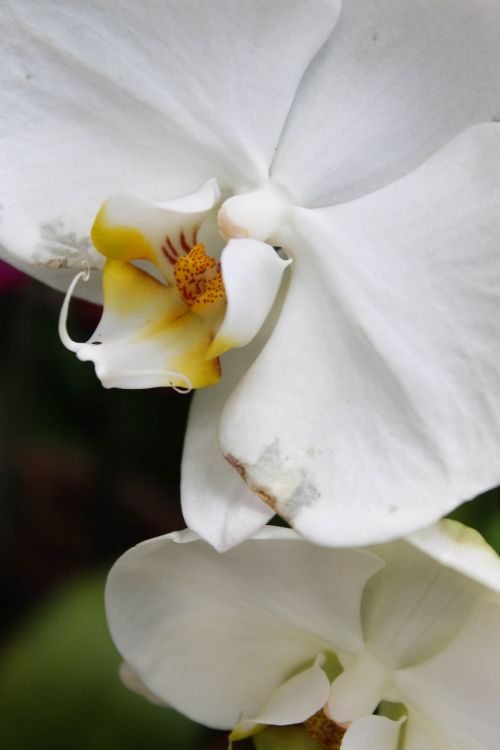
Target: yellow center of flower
{"type": "Point", "coordinates": [324, 730]}
{"type": "Point", "coordinates": [161, 326]}
{"type": "Point", "coordinates": [199, 279]}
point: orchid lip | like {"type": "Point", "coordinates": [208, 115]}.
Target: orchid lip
{"type": "Point", "coordinates": [171, 310]}
{"type": "Point", "coordinates": [80, 348]}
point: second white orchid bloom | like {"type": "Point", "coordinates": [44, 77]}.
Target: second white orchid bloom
{"type": "Point", "coordinates": [360, 137]}
{"type": "Point", "coordinates": [391, 647]}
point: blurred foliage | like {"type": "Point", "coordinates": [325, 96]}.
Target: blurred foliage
{"type": "Point", "coordinates": [483, 514]}
{"type": "Point", "coordinates": [59, 687]}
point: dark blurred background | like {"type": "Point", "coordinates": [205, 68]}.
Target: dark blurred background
{"type": "Point", "coordinates": [85, 473]}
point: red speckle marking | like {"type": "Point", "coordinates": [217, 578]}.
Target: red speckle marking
{"type": "Point", "coordinates": [184, 244]}
{"type": "Point", "coordinates": [165, 249]}
{"type": "Point", "coordinates": [171, 246]}
{"type": "Point", "coordinates": [172, 253]}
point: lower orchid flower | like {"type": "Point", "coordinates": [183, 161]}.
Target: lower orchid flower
{"type": "Point", "coordinates": [391, 647]}
{"type": "Point", "coordinates": [356, 143]}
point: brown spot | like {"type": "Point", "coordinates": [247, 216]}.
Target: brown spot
{"type": "Point", "coordinates": [260, 491]}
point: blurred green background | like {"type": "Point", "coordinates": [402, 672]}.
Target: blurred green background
{"type": "Point", "coordinates": [85, 473]}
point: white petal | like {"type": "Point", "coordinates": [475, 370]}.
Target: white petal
{"type": "Point", "coordinates": [133, 682]}
{"type": "Point", "coordinates": [252, 273]}
{"type": "Point", "coordinates": [460, 548]}
{"type": "Point", "coordinates": [374, 732]}
{"type": "Point", "coordinates": [388, 340]}
{"type": "Point", "coordinates": [414, 606]}
{"type": "Point", "coordinates": [395, 82]}
{"type": "Point", "coordinates": [422, 733]}
{"type": "Point", "coordinates": [98, 98]}
{"type": "Point", "coordinates": [358, 690]}
{"type": "Point", "coordinates": [214, 635]}
{"type": "Point", "coordinates": [216, 502]}
{"type": "Point", "coordinates": [298, 698]}
{"type": "Point", "coordinates": [459, 688]}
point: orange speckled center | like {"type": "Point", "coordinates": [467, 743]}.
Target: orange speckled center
{"type": "Point", "coordinates": [324, 731]}
{"type": "Point", "coordinates": [198, 278]}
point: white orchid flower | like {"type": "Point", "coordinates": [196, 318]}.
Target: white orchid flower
{"type": "Point", "coordinates": [358, 137]}
{"type": "Point", "coordinates": [281, 632]}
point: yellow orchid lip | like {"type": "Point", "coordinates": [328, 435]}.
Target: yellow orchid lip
{"type": "Point", "coordinates": [155, 330]}
{"type": "Point", "coordinates": [169, 327]}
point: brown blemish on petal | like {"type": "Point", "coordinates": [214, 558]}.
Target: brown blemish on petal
{"type": "Point", "coordinates": [292, 489]}
{"type": "Point", "coordinates": [243, 472]}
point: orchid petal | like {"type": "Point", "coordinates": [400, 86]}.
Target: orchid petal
{"type": "Point", "coordinates": [147, 336]}
{"type": "Point", "coordinates": [458, 689]}
{"type": "Point", "coordinates": [375, 732]}
{"type": "Point", "coordinates": [357, 691]}
{"type": "Point", "coordinates": [414, 606]}
{"type": "Point", "coordinates": [216, 502]}
{"type": "Point", "coordinates": [186, 634]}
{"type": "Point", "coordinates": [129, 226]}
{"type": "Point", "coordinates": [298, 698]}
{"type": "Point", "coordinates": [389, 340]}
{"type": "Point", "coordinates": [133, 682]}
{"type": "Point", "coordinates": [99, 98]}
{"type": "Point", "coordinates": [252, 273]}
{"type": "Point", "coordinates": [461, 548]}
{"type": "Point", "coordinates": [395, 82]}
{"type": "Point", "coordinates": [420, 732]}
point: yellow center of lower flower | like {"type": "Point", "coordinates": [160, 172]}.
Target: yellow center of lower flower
{"type": "Point", "coordinates": [199, 279]}
{"type": "Point", "coordinates": [324, 730]}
